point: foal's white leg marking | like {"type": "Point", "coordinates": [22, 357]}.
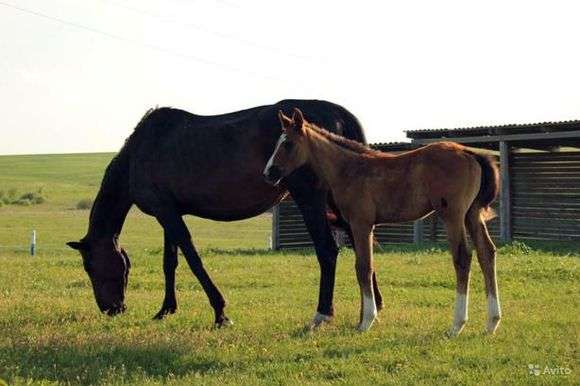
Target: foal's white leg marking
{"type": "Point", "coordinates": [271, 160]}
{"type": "Point", "coordinates": [369, 312]}
{"type": "Point", "coordinates": [460, 315]}
{"type": "Point", "coordinates": [493, 313]}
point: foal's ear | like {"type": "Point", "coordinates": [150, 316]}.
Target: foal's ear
{"type": "Point", "coordinates": [78, 245]}
{"type": "Point", "coordinates": [298, 120]}
{"type": "Point", "coordinates": [284, 120]}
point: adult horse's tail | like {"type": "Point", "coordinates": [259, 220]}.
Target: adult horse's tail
{"type": "Point", "coordinates": [489, 187]}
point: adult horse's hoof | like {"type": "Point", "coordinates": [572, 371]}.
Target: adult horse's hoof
{"type": "Point", "coordinates": [164, 312]}
{"type": "Point", "coordinates": [115, 310]}
{"type": "Point", "coordinates": [318, 320]}
{"type": "Point", "coordinates": [223, 322]}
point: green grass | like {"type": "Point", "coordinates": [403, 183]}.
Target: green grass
{"type": "Point", "coordinates": [51, 332]}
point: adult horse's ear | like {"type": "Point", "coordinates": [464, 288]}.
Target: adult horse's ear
{"type": "Point", "coordinates": [78, 245]}
{"type": "Point", "coordinates": [284, 120]}
{"type": "Point", "coordinates": [298, 120]}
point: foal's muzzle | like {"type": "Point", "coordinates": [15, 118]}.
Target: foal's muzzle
{"type": "Point", "coordinates": [273, 175]}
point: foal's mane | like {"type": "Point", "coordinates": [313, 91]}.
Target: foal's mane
{"type": "Point", "coordinates": [345, 143]}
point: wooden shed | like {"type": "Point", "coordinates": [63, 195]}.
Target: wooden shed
{"type": "Point", "coordinates": [540, 195]}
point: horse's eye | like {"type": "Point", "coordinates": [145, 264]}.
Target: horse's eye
{"type": "Point", "coordinates": [288, 145]}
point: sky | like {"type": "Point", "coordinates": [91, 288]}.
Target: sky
{"type": "Point", "coordinates": [77, 76]}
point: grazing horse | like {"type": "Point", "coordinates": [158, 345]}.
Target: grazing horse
{"type": "Point", "coordinates": [177, 163]}
{"type": "Point", "coordinates": [371, 187]}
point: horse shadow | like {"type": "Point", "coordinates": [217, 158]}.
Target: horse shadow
{"type": "Point", "coordinates": [102, 364]}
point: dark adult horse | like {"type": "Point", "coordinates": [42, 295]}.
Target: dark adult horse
{"type": "Point", "coordinates": [177, 163]}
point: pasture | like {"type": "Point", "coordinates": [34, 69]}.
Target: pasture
{"type": "Point", "coordinates": [51, 332]}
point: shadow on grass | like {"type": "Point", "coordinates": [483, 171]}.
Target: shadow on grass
{"type": "Point", "coordinates": [555, 247]}
{"type": "Point", "coordinates": [98, 365]}
{"type": "Point", "coordinates": [255, 252]}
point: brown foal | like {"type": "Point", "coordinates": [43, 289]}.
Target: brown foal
{"type": "Point", "coordinates": [372, 187]}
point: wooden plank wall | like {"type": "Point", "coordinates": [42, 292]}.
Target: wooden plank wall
{"type": "Point", "coordinates": [292, 232]}
{"type": "Point", "coordinates": [546, 196]}
{"type": "Point", "coordinates": [434, 229]}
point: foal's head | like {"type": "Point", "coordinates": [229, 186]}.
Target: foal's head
{"type": "Point", "coordinates": [291, 151]}
{"type": "Point", "coordinates": [108, 268]}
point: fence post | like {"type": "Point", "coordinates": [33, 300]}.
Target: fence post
{"type": "Point", "coordinates": [505, 205]}
{"type": "Point", "coordinates": [275, 228]}
{"type": "Point", "coordinates": [33, 243]}
{"type": "Point", "coordinates": [418, 231]}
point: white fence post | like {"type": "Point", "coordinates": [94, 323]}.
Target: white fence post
{"type": "Point", "coordinates": [33, 243]}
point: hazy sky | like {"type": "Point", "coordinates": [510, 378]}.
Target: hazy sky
{"type": "Point", "coordinates": [76, 76]}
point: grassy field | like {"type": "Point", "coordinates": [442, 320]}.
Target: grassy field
{"type": "Point", "coordinates": [51, 332]}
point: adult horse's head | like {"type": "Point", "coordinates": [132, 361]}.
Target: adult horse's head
{"type": "Point", "coordinates": [291, 151]}
{"type": "Point", "coordinates": [108, 268]}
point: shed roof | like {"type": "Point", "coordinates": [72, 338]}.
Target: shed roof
{"type": "Point", "coordinates": [542, 135]}
{"type": "Point", "coordinates": [394, 146]}
{"type": "Point", "coordinates": [522, 128]}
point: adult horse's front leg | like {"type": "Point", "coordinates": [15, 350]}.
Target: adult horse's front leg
{"type": "Point", "coordinates": [179, 235]}
{"type": "Point", "coordinates": [312, 204]}
{"type": "Point", "coordinates": [169, 305]}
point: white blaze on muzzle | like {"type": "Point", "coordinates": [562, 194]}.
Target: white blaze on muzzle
{"type": "Point", "coordinates": [271, 160]}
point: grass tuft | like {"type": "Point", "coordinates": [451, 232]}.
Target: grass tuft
{"type": "Point", "coordinates": [85, 203]}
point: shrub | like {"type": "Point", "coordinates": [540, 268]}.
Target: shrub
{"type": "Point", "coordinates": [11, 194]}
{"type": "Point", "coordinates": [85, 203]}
{"type": "Point", "coordinates": [22, 202]}
{"type": "Point", "coordinates": [29, 198]}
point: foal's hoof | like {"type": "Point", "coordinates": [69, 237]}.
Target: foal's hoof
{"type": "Point", "coordinates": [492, 325]}
{"type": "Point", "coordinates": [223, 322]}
{"type": "Point", "coordinates": [364, 326]}
{"type": "Point", "coordinates": [318, 320]}
{"type": "Point", "coordinates": [454, 332]}
{"type": "Point", "coordinates": [164, 312]}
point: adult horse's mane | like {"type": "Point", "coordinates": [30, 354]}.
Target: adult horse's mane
{"type": "Point", "coordinates": [343, 142]}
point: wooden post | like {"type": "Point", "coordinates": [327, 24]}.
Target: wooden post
{"type": "Point", "coordinates": [505, 205]}
{"type": "Point", "coordinates": [275, 228]}
{"type": "Point", "coordinates": [418, 231]}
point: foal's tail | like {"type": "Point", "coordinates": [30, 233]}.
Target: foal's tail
{"type": "Point", "coordinates": [489, 187]}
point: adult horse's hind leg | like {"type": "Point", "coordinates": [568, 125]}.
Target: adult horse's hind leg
{"type": "Point", "coordinates": [486, 256]}
{"type": "Point", "coordinates": [378, 296]}
{"type": "Point", "coordinates": [169, 305]}
{"type": "Point", "coordinates": [179, 235]}
{"type": "Point", "coordinates": [456, 235]}
{"type": "Point", "coordinates": [312, 204]}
